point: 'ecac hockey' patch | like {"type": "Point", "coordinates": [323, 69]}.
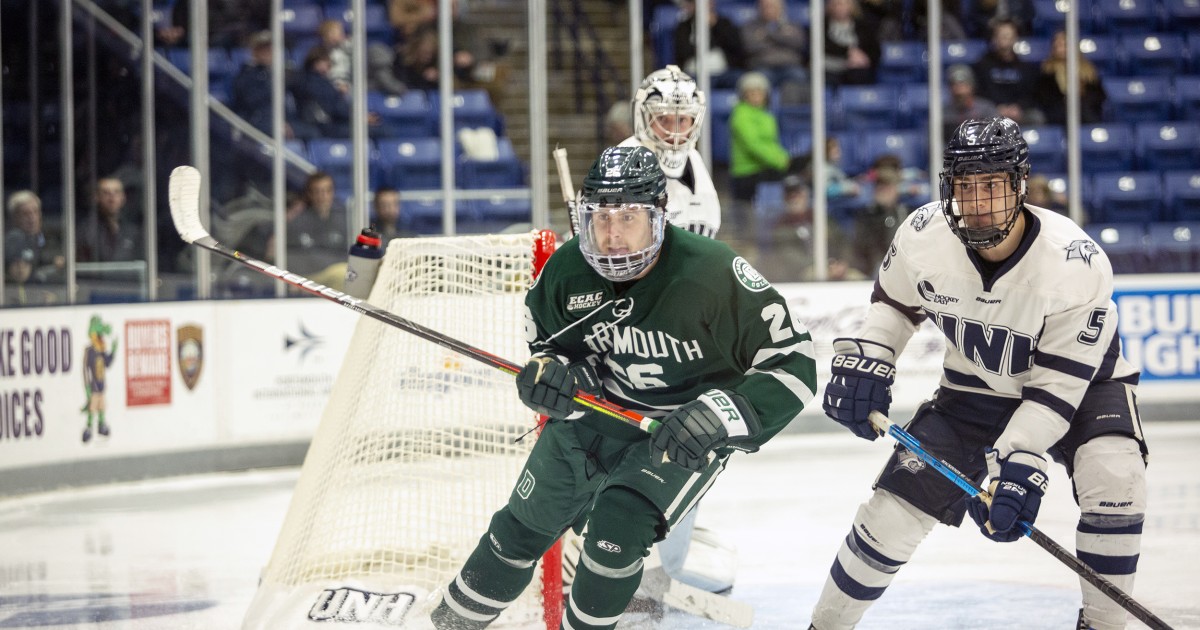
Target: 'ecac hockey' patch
{"type": "Point", "coordinates": [584, 301]}
{"type": "Point", "coordinates": [749, 276]}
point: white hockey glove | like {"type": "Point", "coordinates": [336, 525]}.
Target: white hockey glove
{"type": "Point", "coordinates": [547, 384]}
{"type": "Point", "coordinates": [1018, 483]}
{"type": "Point", "coordinates": [714, 420]}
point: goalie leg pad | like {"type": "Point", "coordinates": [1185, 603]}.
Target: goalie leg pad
{"type": "Point", "coordinates": [1110, 484]}
{"type": "Point", "coordinates": [622, 527]}
{"type": "Point", "coordinates": [495, 574]}
{"type": "Point", "coordinates": [887, 531]}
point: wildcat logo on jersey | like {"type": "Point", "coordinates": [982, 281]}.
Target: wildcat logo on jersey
{"type": "Point", "coordinates": [921, 217]}
{"type": "Point", "coordinates": [1082, 249]}
{"type": "Point", "coordinates": [929, 294]}
{"type": "Point", "coordinates": [349, 605]}
{"type": "Point", "coordinates": [749, 276]}
{"type": "Point", "coordinates": [584, 301]}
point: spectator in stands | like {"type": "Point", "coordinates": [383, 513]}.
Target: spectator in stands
{"type": "Point", "coordinates": [778, 49]}
{"type": "Point", "coordinates": [726, 57]}
{"type": "Point", "coordinates": [410, 16]}
{"type": "Point", "coordinates": [332, 34]}
{"type": "Point", "coordinates": [230, 22]}
{"type": "Point", "coordinates": [981, 14]}
{"type": "Point", "coordinates": [317, 241]}
{"type": "Point", "coordinates": [381, 68]}
{"type": "Point", "coordinates": [885, 17]}
{"type": "Point", "coordinates": [964, 103]}
{"type": "Point", "coordinates": [250, 94]}
{"type": "Point", "coordinates": [852, 49]}
{"type": "Point", "coordinates": [26, 232]}
{"type": "Point", "coordinates": [1043, 196]}
{"type": "Point", "coordinates": [837, 183]}
{"type": "Point", "coordinates": [913, 183]}
{"type": "Point", "coordinates": [792, 239]}
{"type": "Point", "coordinates": [1005, 79]}
{"type": "Point", "coordinates": [1051, 87]}
{"type": "Point", "coordinates": [417, 64]}
{"type": "Point", "coordinates": [385, 215]}
{"type": "Point", "coordinates": [755, 153]}
{"type": "Point", "coordinates": [322, 103]}
{"type": "Point", "coordinates": [105, 235]}
{"type": "Point", "coordinates": [952, 28]}
{"type": "Point", "coordinates": [876, 224]}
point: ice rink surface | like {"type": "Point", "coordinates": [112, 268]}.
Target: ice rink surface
{"type": "Point", "coordinates": [185, 553]}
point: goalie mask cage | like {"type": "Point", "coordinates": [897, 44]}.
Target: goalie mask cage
{"type": "Point", "coordinates": [416, 449]}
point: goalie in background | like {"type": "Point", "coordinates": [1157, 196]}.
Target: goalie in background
{"type": "Point", "coordinates": [662, 321]}
{"type": "Point", "coordinates": [1033, 367]}
{"type": "Point", "coordinates": [668, 113]}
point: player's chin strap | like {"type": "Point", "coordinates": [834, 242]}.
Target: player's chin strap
{"type": "Point", "coordinates": [887, 427]}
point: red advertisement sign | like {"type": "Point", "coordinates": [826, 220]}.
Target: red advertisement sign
{"type": "Point", "coordinates": [147, 362]}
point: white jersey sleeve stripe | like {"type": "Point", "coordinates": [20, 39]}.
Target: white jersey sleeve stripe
{"type": "Point", "coordinates": [805, 348]}
{"type": "Point", "coordinates": [794, 385]}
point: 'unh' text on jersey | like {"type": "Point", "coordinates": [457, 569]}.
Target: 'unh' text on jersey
{"type": "Point", "coordinates": [653, 344]}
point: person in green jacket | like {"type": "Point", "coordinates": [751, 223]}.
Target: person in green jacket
{"type": "Point", "coordinates": [756, 154]}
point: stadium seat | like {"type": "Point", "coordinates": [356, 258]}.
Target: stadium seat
{"type": "Point", "coordinates": [768, 206]}
{"type": "Point", "coordinates": [301, 21]}
{"type": "Point", "coordinates": [336, 157]}
{"type": "Point", "coordinates": [1138, 99]}
{"type": "Point", "coordinates": [412, 164]}
{"type": "Point", "coordinates": [1106, 147]}
{"type": "Point", "coordinates": [1049, 17]}
{"type": "Point", "coordinates": [1182, 16]}
{"type": "Point", "coordinates": [966, 51]}
{"type": "Point", "coordinates": [798, 13]}
{"type": "Point", "coordinates": [914, 105]}
{"type": "Point", "coordinates": [498, 212]}
{"type": "Point", "coordinates": [503, 172]}
{"type": "Point", "coordinates": [407, 116]}
{"type": "Point", "coordinates": [902, 62]}
{"type": "Point", "coordinates": [1102, 51]}
{"type": "Point", "coordinates": [1047, 147]}
{"type": "Point", "coordinates": [797, 142]}
{"type": "Point", "coordinates": [1174, 247]}
{"type": "Point", "coordinates": [739, 14]}
{"type": "Point", "coordinates": [719, 106]}
{"type": "Point", "coordinates": [869, 106]}
{"type": "Point", "coordinates": [424, 213]}
{"type": "Point", "coordinates": [1124, 243]}
{"type": "Point", "coordinates": [472, 109]}
{"type": "Point", "coordinates": [1182, 194]}
{"type": "Point", "coordinates": [1033, 49]}
{"type": "Point", "coordinates": [662, 32]}
{"type": "Point", "coordinates": [1187, 95]}
{"type": "Point", "coordinates": [1155, 53]}
{"type": "Point", "coordinates": [1125, 16]}
{"type": "Point", "coordinates": [1128, 196]}
{"type": "Point", "coordinates": [912, 147]}
{"type": "Point", "coordinates": [1168, 146]}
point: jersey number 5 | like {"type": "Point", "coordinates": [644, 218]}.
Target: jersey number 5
{"type": "Point", "coordinates": [1095, 325]}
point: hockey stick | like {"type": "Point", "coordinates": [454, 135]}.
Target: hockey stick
{"type": "Point", "coordinates": [565, 185]}
{"type": "Point", "coordinates": [886, 426]}
{"type": "Point", "coordinates": [184, 195]}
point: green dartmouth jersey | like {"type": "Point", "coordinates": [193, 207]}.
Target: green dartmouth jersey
{"type": "Point", "coordinates": [703, 318]}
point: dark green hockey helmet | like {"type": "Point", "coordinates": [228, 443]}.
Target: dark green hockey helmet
{"type": "Point", "coordinates": [621, 212]}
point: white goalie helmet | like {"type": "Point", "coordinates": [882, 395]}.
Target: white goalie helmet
{"type": "Point", "coordinates": [668, 112]}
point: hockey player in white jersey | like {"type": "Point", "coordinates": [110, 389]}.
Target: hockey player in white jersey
{"type": "Point", "coordinates": [1033, 370]}
{"type": "Point", "coordinates": [668, 112]}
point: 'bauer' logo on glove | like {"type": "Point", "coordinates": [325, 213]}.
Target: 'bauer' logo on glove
{"type": "Point", "coordinates": [865, 365]}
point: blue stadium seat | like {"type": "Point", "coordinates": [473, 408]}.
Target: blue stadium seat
{"type": "Point", "coordinates": [1128, 196]}
{"type": "Point", "coordinates": [1124, 243]}
{"type": "Point", "coordinates": [298, 48]}
{"type": "Point", "coordinates": [869, 106]}
{"type": "Point", "coordinates": [407, 116]}
{"type": "Point", "coordinates": [912, 147]}
{"type": "Point", "coordinates": [1103, 52]}
{"type": "Point", "coordinates": [1187, 95]}
{"type": "Point", "coordinates": [1106, 147]}
{"type": "Point", "coordinates": [424, 214]}
{"type": "Point", "coordinates": [902, 62]}
{"type": "Point", "coordinates": [768, 206]}
{"type": "Point", "coordinates": [1138, 99]}
{"type": "Point", "coordinates": [1047, 147]}
{"type": "Point", "coordinates": [662, 32]}
{"type": "Point", "coordinates": [472, 108]}
{"type": "Point", "coordinates": [1155, 53]}
{"type": "Point", "coordinates": [854, 159]}
{"type": "Point", "coordinates": [1125, 16]}
{"type": "Point", "coordinates": [914, 105]}
{"type": "Point", "coordinates": [412, 164]}
{"type": "Point", "coordinates": [1049, 18]}
{"type": "Point", "coordinates": [1033, 49]}
{"type": "Point", "coordinates": [498, 212]}
{"type": "Point", "coordinates": [739, 14]}
{"type": "Point", "coordinates": [336, 157]}
{"type": "Point", "coordinates": [1182, 16]}
{"type": "Point", "coordinates": [798, 13]}
{"type": "Point", "coordinates": [1168, 146]}
{"type": "Point", "coordinates": [966, 51]}
{"type": "Point", "coordinates": [1182, 194]}
{"type": "Point", "coordinates": [503, 172]}
{"type": "Point", "coordinates": [301, 21]}
{"type": "Point", "coordinates": [720, 104]}
{"type": "Point", "coordinates": [1174, 246]}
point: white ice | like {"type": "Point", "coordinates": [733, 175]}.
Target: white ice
{"type": "Point", "coordinates": [185, 553]}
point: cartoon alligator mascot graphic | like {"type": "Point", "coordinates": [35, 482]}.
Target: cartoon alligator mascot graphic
{"type": "Point", "coordinates": [96, 360]}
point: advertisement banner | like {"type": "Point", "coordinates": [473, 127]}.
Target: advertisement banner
{"type": "Point", "coordinates": [148, 361]}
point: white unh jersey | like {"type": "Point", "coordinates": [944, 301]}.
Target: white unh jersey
{"type": "Point", "coordinates": [1041, 330]}
{"type": "Point", "coordinates": [692, 202]}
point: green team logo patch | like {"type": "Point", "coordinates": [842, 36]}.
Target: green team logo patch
{"type": "Point", "coordinates": [749, 276]}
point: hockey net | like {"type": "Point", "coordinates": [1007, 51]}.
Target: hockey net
{"type": "Point", "coordinates": [417, 447]}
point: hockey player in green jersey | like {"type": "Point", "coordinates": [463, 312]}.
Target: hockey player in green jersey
{"type": "Point", "coordinates": [670, 324]}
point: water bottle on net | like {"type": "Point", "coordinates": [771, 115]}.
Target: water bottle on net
{"type": "Point", "coordinates": [362, 266]}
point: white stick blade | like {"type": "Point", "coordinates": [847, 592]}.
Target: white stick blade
{"type": "Point", "coordinates": [708, 605]}
{"type": "Point", "coordinates": [184, 195]}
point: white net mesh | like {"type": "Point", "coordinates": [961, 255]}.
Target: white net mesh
{"type": "Point", "coordinates": [417, 445]}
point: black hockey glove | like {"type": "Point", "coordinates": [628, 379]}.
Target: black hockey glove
{"type": "Point", "coordinates": [859, 386]}
{"type": "Point", "coordinates": [1018, 483]}
{"type": "Point", "coordinates": [716, 419]}
{"type": "Point", "coordinates": [547, 385]}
